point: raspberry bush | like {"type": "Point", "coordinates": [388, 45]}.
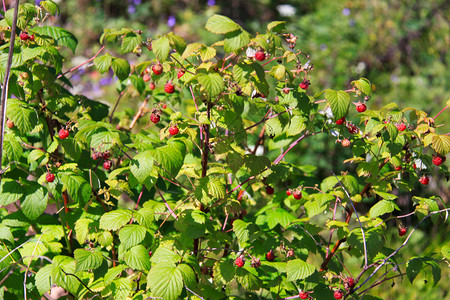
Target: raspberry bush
{"type": "Point", "coordinates": [206, 179]}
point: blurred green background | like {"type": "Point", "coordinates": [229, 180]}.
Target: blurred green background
{"type": "Point", "coordinates": [401, 46]}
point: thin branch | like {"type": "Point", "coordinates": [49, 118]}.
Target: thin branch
{"type": "Point", "coordinates": [434, 118]}
{"type": "Point", "coordinates": [70, 274]}
{"type": "Point", "coordinates": [198, 296]}
{"type": "Point", "coordinates": [4, 96]}
{"type": "Point", "coordinates": [167, 204]}
{"type": "Point", "coordinates": [4, 257]}
{"type": "Point", "coordinates": [25, 276]}
{"type": "Point", "coordinates": [89, 60]}
{"type": "Point", "coordinates": [115, 107]}
{"type": "Point", "coordinates": [138, 114]}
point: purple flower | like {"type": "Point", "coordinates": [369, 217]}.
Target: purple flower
{"type": "Point", "coordinates": [137, 2]}
{"type": "Point", "coordinates": [37, 2]}
{"type": "Point", "coordinates": [346, 11]}
{"type": "Point", "coordinates": [131, 9]}
{"type": "Point", "coordinates": [211, 2]}
{"type": "Point", "coordinates": [171, 21]}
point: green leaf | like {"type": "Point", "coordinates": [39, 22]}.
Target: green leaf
{"type": "Point", "coordinates": [113, 273]}
{"type": "Point", "coordinates": [276, 26]}
{"type": "Point", "coordinates": [66, 264]}
{"type": "Point", "coordinates": [121, 68]}
{"type": "Point", "coordinates": [103, 62]}
{"type": "Point", "coordinates": [220, 24]}
{"type": "Point", "coordinates": [161, 48]}
{"type": "Point", "coordinates": [212, 84]}
{"type": "Point", "coordinates": [6, 234]}
{"type": "Point", "coordinates": [417, 265]}
{"type": "Point", "coordinates": [144, 217]}
{"type": "Point", "coordinates": [278, 216]}
{"type": "Point", "coordinates": [50, 7]}
{"type": "Point", "coordinates": [235, 40]}
{"type": "Point", "coordinates": [12, 148]}
{"type": "Point", "coordinates": [374, 241]}
{"type": "Point", "coordinates": [256, 164]}
{"type": "Point", "coordinates": [188, 275]}
{"type": "Point", "coordinates": [298, 269]}
{"type": "Point", "coordinates": [241, 231]}
{"type": "Point", "coordinates": [223, 271]}
{"type": "Point", "coordinates": [10, 190]}
{"type": "Point", "coordinates": [24, 117]}
{"type": "Point", "coordinates": [82, 229]}
{"type": "Point", "coordinates": [247, 279]}
{"type": "Point", "coordinates": [177, 42]}
{"type": "Point", "coordinates": [170, 157]}
{"type": "Point", "coordinates": [383, 207]}
{"type": "Point", "coordinates": [77, 187]}
{"type": "Point", "coordinates": [339, 102]}
{"type": "Point", "coordinates": [131, 235]}
{"type": "Point", "coordinates": [138, 258]}
{"type": "Point", "coordinates": [43, 279]}
{"type": "Point", "coordinates": [207, 53]}
{"type": "Point", "coordinates": [138, 83]}
{"type": "Point", "coordinates": [441, 144]}
{"type": "Point", "coordinates": [278, 71]}
{"type": "Point", "coordinates": [165, 281]}
{"type": "Point", "coordinates": [385, 195]}
{"type": "Point", "coordinates": [105, 238]}
{"type": "Point", "coordinates": [142, 165]}
{"type": "Point", "coordinates": [35, 200]}
{"type": "Point", "coordinates": [87, 260]}
{"type": "Point", "coordinates": [130, 42]}
{"type": "Point", "coordinates": [115, 219]}
{"type": "Point", "coordinates": [317, 204]}
{"type": "Point", "coordinates": [62, 36]}
{"type": "Point", "coordinates": [363, 85]}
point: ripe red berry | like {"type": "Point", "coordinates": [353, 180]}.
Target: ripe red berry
{"type": "Point", "coordinates": [180, 74]}
{"type": "Point", "coordinates": [269, 190]}
{"type": "Point", "coordinates": [437, 160]}
{"type": "Point", "coordinates": [424, 180]}
{"type": "Point", "coordinates": [169, 88]}
{"type": "Point", "coordinates": [50, 177]}
{"type": "Point", "coordinates": [107, 164]}
{"type": "Point", "coordinates": [106, 155]}
{"type": "Point", "coordinates": [340, 121]}
{"type": "Point", "coordinates": [298, 195]}
{"type": "Point", "coordinates": [270, 256]}
{"type": "Point", "coordinates": [289, 192]}
{"type": "Point", "coordinates": [151, 85]}
{"type": "Point", "coordinates": [31, 37]}
{"type": "Point", "coordinates": [345, 143]}
{"type": "Point", "coordinates": [414, 166]}
{"type": "Point", "coordinates": [239, 262]}
{"type": "Point", "coordinates": [146, 78]}
{"type": "Point", "coordinates": [24, 36]}
{"type": "Point", "coordinates": [260, 55]}
{"type": "Point", "coordinates": [361, 107]}
{"type": "Point", "coordinates": [173, 130]}
{"type": "Point", "coordinates": [157, 69]}
{"type": "Point", "coordinates": [150, 253]}
{"type": "Point", "coordinates": [402, 231]}
{"type": "Point", "coordinates": [304, 85]}
{"type": "Point", "coordinates": [9, 124]}
{"type": "Point", "coordinates": [154, 118]}
{"type": "Point", "coordinates": [401, 127]}
{"type": "Point", "coordinates": [398, 168]}
{"type": "Point", "coordinates": [351, 282]}
{"type": "Point", "coordinates": [96, 155]}
{"type": "Point", "coordinates": [63, 133]}
{"type": "Point", "coordinates": [337, 295]}
{"type": "Point", "coordinates": [164, 106]}
{"type": "Point", "coordinates": [303, 295]}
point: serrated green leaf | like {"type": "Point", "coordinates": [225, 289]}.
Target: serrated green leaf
{"type": "Point", "coordinates": [121, 288]}
{"type": "Point", "coordinates": [220, 24]}
{"type": "Point", "coordinates": [212, 84]}
{"type": "Point", "coordinates": [298, 269]}
{"type": "Point", "coordinates": [241, 231]}
{"type": "Point", "coordinates": [78, 188]}
{"type": "Point", "coordinates": [278, 71]}
{"type": "Point", "coordinates": [12, 148]}
{"type": "Point", "coordinates": [187, 274]}
{"type": "Point", "coordinates": [131, 235]}
{"type": "Point", "coordinates": [247, 279]}
{"type": "Point", "coordinates": [113, 273]}
{"type": "Point", "coordinates": [419, 264]}
{"type": "Point", "coordinates": [165, 255]}
{"type": "Point", "coordinates": [363, 85]}
{"type": "Point", "coordinates": [317, 204]}
{"type": "Point", "coordinates": [6, 234]}
{"type": "Point", "coordinates": [66, 264]}
{"type": "Point", "coordinates": [374, 241]}
{"type": "Point", "coordinates": [103, 62]}
{"type": "Point", "coordinates": [256, 164]}
{"type": "Point", "coordinates": [142, 165]}
{"type": "Point", "coordinates": [144, 217]}
{"type": "Point", "coordinates": [82, 229]}
{"type": "Point", "coordinates": [138, 83]}
{"type": "Point", "coordinates": [138, 258]}
{"type": "Point", "coordinates": [105, 238]}
{"type": "Point", "coordinates": [165, 281]}
{"type": "Point", "coordinates": [34, 201]}
{"type": "Point", "coordinates": [43, 279]}
{"type": "Point", "coordinates": [121, 68]}
{"type": "Point", "coordinates": [24, 117]}
{"type": "Point", "coordinates": [207, 53]}
{"type": "Point", "coordinates": [130, 42]}
{"type": "Point", "coordinates": [276, 26]}
{"type": "Point", "coordinates": [382, 207]}
{"type": "Point", "coordinates": [115, 219]}
{"type": "Point", "coordinates": [235, 40]}
{"type": "Point", "coordinates": [161, 48]}
{"type": "Point", "coordinates": [87, 260]}
{"type": "Point", "coordinates": [50, 7]}
{"type": "Point", "coordinates": [10, 191]}
{"type": "Point", "coordinates": [339, 102]}
{"type": "Point", "coordinates": [223, 271]}
{"type": "Point", "coordinates": [441, 144]}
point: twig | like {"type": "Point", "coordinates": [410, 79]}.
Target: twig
{"type": "Point", "coordinates": [138, 114]}
{"type": "Point", "coordinates": [115, 107]}
{"type": "Point", "coordinates": [70, 274]}
{"type": "Point", "coordinates": [89, 60]}
{"type": "Point", "coordinates": [167, 204]}
{"type": "Point", "coordinates": [28, 267]}
{"type": "Point", "coordinates": [440, 112]}
{"type": "Point", "coordinates": [198, 296]}
{"type": "Point", "coordinates": [4, 96]}
{"type": "Point", "coordinates": [4, 257]}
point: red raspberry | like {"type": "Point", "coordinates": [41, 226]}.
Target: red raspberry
{"type": "Point", "coordinates": [361, 107]}
{"type": "Point", "coordinates": [352, 129]}
{"type": "Point", "coordinates": [303, 295]}
{"type": "Point", "coordinates": [154, 118]}
{"type": "Point", "coordinates": [270, 256]}
{"type": "Point", "coordinates": [398, 168]}
{"type": "Point", "coordinates": [180, 74]}
{"type": "Point", "coordinates": [239, 262]}
{"type": "Point", "coordinates": [337, 295]}
{"type": "Point", "coordinates": [289, 192]}
{"type": "Point", "coordinates": [9, 124]}
{"type": "Point", "coordinates": [24, 36]}
{"type": "Point", "coordinates": [96, 155]}
{"type": "Point", "coordinates": [424, 180]}
{"type": "Point", "coordinates": [298, 195]}
{"type": "Point", "coordinates": [150, 253]}
{"type": "Point", "coordinates": [169, 88]}
{"type": "Point", "coordinates": [151, 85]}
{"type": "Point", "coordinates": [437, 160]}
{"type": "Point", "coordinates": [50, 177]}
{"type": "Point", "coordinates": [414, 166]}
{"type": "Point", "coordinates": [63, 133]}
{"type": "Point", "coordinates": [107, 164]}
{"type": "Point", "coordinates": [304, 85]}
{"type": "Point", "coordinates": [31, 37]}
{"type": "Point", "coordinates": [401, 127]}
{"type": "Point", "coordinates": [269, 190]}
{"type": "Point", "coordinates": [351, 282]}
{"type": "Point", "coordinates": [402, 231]}
{"type": "Point", "coordinates": [106, 155]}
{"type": "Point", "coordinates": [164, 106]}
{"type": "Point", "coordinates": [340, 121]}
{"type": "Point", "coordinates": [146, 78]}
{"type": "Point", "coordinates": [157, 69]}
{"type": "Point", "coordinates": [345, 143]}
{"type": "Point", "coordinates": [173, 130]}
{"type": "Point", "coordinates": [260, 55]}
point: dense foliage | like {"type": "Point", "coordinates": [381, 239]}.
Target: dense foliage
{"type": "Point", "coordinates": [201, 194]}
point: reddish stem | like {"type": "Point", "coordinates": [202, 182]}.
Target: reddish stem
{"type": "Point", "coordinates": [89, 60]}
